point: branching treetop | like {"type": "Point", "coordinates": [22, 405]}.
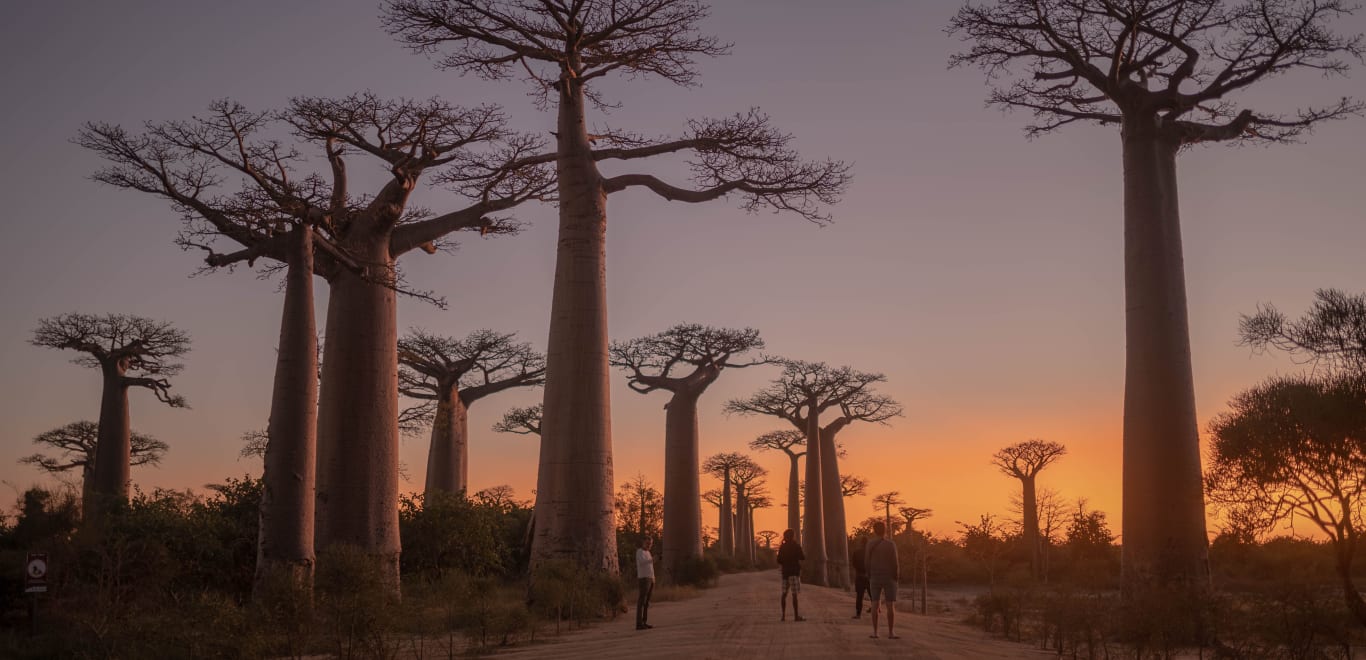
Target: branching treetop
{"type": "Point", "coordinates": [1332, 331]}
{"type": "Point", "coordinates": [912, 514]}
{"type": "Point", "coordinates": [806, 384]}
{"type": "Point", "coordinates": [432, 367]}
{"type": "Point", "coordinates": [887, 500]}
{"type": "Point", "coordinates": [524, 421]}
{"type": "Point", "coordinates": [139, 351]}
{"type": "Point", "coordinates": [77, 442]}
{"type": "Point", "coordinates": [562, 46]}
{"type": "Point", "coordinates": [741, 468]}
{"type": "Point", "coordinates": [783, 441]}
{"type": "Point", "coordinates": [686, 357]}
{"type": "Point", "coordinates": [1102, 61]}
{"type": "Point", "coordinates": [851, 485]}
{"type": "Point", "coordinates": [1024, 460]}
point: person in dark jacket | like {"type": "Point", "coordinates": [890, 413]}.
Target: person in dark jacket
{"type": "Point", "coordinates": [860, 577]}
{"type": "Point", "coordinates": [790, 558]}
{"type": "Point", "coordinates": [883, 572]}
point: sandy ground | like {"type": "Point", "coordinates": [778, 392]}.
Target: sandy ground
{"type": "Point", "coordinates": [739, 620]}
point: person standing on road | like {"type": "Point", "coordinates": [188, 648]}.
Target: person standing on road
{"type": "Point", "coordinates": [790, 558]}
{"type": "Point", "coordinates": [860, 576]}
{"type": "Point", "coordinates": [645, 571]}
{"type": "Point", "coordinates": [883, 572]}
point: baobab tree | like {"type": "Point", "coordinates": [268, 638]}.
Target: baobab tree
{"type": "Point", "coordinates": [784, 440]}
{"type": "Point", "coordinates": [1165, 74]}
{"type": "Point", "coordinates": [721, 466]}
{"type": "Point", "coordinates": [885, 502]}
{"type": "Point", "coordinates": [756, 497]}
{"type": "Point", "coordinates": [852, 485]}
{"type": "Point", "coordinates": [768, 535]}
{"type": "Point", "coordinates": [1024, 461]}
{"type": "Point", "coordinates": [1331, 333]}
{"type": "Point", "coordinates": [316, 224]}
{"type": "Point", "coordinates": [129, 351]}
{"type": "Point", "coordinates": [562, 49]}
{"type": "Point", "coordinates": [684, 361]}
{"type": "Point", "coordinates": [920, 559]}
{"type": "Point", "coordinates": [77, 443]}
{"type": "Point", "coordinates": [448, 375]}
{"type": "Point", "coordinates": [800, 395]}
{"type": "Point", "coordinates": [523, 421]}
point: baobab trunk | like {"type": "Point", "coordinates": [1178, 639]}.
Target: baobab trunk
{"type": "Point", "coordinates": [682, 487]}
{"type": "Point", "coordinates": [1029, 503]}
{"type": "Point", "coordinates": [285, 545]}
{"type": "Point", "coordinates": [113, 444]}
{"type": "Point", "coordinates": [741, 504]}
{"type": "Point", "coordinates": [574, 506]}
{"type": "Point", "coordinates": [358, 414]}
{"type": "Point", "coordinates": [832, 495]}
{"type": "Point", "coordinates": [448, 459]}
{"type": "Point", "coordinates": [813, 529]}
{"type": "Point", "coordinates": [1164, 513]}
{"type": "Point", "coordinates": [726, 534]}
{"type": "Point", "coordinates": [794, 499]}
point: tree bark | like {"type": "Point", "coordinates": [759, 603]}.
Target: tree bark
{"type": "Point", "coordinates": [836, 533]}
{"type": "Point", "coordinates": [448, 459]}
{"type": "Point", "coordinates": [358, 412]}
{"type": "Point", "coordinates": [1163, 509]}
{"type": "Point", "coordinates": [813, 529]}
{"type": "Point", "coordinates": [574, 511]}
{"type": "Point", "coordinates": [1355, 604]}
{"type": "Point", "coordinates": [285, 546]}
{"type": "Point", "coordinates": [113, 445]}
{"type": "Point", "coordinates": [1029, 502]}
{"type": "Point", "coordinates": [726, 534]}
{"type": "Point", "coordinates": [794, 498]}
{"type": "Point", "coordinates": [682, 486]}
{"type": "Point", "coordinates": [741, 504]}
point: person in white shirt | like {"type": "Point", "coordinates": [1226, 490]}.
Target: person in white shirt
{"type": "Point", "coordinates": [645, 571]}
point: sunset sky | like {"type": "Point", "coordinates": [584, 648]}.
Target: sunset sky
{"type": "Point", "coordinates": [980, 271]}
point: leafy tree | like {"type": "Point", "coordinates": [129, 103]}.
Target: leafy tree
{"type": "Point", "coordinates": [129, 351]}
{"type": "Point", "coordinates": [1294, 446]}
{"type": "Point", "coordinates": [448, 375]}
{"type": "Point", "coordinates": [1166, 74]}
{"type": "Point", "coordinates": [985, 542]}
{"type": "Point", "coordinates": [684, 361]}
{"type": "Point", "coordinates": [564, 50]}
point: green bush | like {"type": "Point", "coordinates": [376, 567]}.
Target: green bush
{"type": "Point", "coordinates": [698, 572]}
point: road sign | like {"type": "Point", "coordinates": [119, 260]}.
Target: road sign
{"type": "Point", "coordinates": [35, 575]}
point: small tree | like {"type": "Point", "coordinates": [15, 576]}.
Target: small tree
{"type": "Point", "coordinates": [985, 542]}
{"type": "Point", "coordinates": [1295, 446]}
{"type": "Point", "coordinates": [684, 361]}
{"type": "Point", "coordinates": [640, 509]}
{"type": "Point", "coordinates": [1024, 461]}
{"type": "Point", "coordinates": [852, 485]}
{"type": "Point", "coordinates": [785, 440]}
{"type": "Point", "coordinates": [77, 443]}
{"type": "Point", "coordinates": [920, 558]}
{"type": "Point", "coordinates": [768, 536]}
{"type": "Point", "coordinates": [448, 375]}
{"type": "Point", "coordinates": [885, 502]}
{"type": "Point", "coordinates": [129, 351]}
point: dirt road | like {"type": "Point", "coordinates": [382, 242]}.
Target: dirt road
{"type": "Point", "coordinates": [738, 620]}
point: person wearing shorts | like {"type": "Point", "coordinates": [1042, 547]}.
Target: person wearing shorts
{"type": "Point", "coordinates": [790, 558]}
{"type": "Point", "coordinates": [883, 572]}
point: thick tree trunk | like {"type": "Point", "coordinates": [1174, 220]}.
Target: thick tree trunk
{"type": "Point", "coordinates": [574, 508]}
{"type": "Point", "coordinates": [358, 414]}
{"type": "Point", "coordinates": [1029, 502]}
{"type": "Point", "coordinates": [738, 549]}
{"type": "Point", "coordinates": [836, 533]}
{"type": "Point", "coordinates": [449, 457]}
{"type": "Point", "coordinates": [285, 547]}
{"type": "Point", "coordinates": [682, 487]}
{"type": "Point", "coordinates": [1355, 604]}
{"type": "Point", "coordinates": [112, 445]}
{"type": "Point", "coordinates": [726, 534]}
{"type": "Point", "coordinates": [794, 498]}
{"type": "Point", "coordinates": [813, 528]}
{"type": "Point", "coordinates": [753, 544]}
{"type": "Point", "coordinates": [1163, 509]}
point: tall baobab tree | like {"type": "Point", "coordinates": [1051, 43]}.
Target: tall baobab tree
{"type": "Point", "coordinates": [886, 501]}
{"type": "Point", "coordinates": [803, 392]}
{"type": "Point", "coordinates": [768, 535]}
{"type": "Point", "coordinates": [720, 466]}
{"type": "Point", "coordinates": [562, 49]}
{"type": "Point", "coordinates": [314, 224]}
{"type": "Point", "coordinates": [448, 375]}
{"type": "Point", "coordinates": [1165, 74]}
{"type": "Point", "coordinates": [745, 475]}
{"type": "Point", "coordinates": [1024, 461]}
{"type": "Point", "coordinates": [756, 497]}
{"type": "Point", "coordinates": [77, 443]}
{"type": "Point", "coordinates": [684, 361]}
{"type": "Point", "coordinates": [129, 351]}
{"type": "Point", "coordinates": [921, 557]}
{"type": "Point", "coordinates": [784, 440]}
{"type": "Point", "coordinates": [523, 421]}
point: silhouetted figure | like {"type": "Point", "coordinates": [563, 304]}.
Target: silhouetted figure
{"type": "Point", "coordinates": [645, 571]}
{"type": "Point", "coordinates": [790, 558]}
{"type": "Point", "coordinates": [860, 564]}
{"type": "Point", "coordinates": [883, 572]}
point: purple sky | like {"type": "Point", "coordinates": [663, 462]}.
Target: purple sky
{"type": "Point", "coordinates": [980, 271]}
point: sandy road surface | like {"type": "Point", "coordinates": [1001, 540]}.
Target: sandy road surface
{"type": "Point", "coordinates": [738, 620]}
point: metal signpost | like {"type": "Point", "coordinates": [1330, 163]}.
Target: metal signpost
{"type": "Point", "coordinates": [35, 582]}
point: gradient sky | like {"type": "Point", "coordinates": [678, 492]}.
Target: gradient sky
{"type": "Point", "coordinates": [980, 271]}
